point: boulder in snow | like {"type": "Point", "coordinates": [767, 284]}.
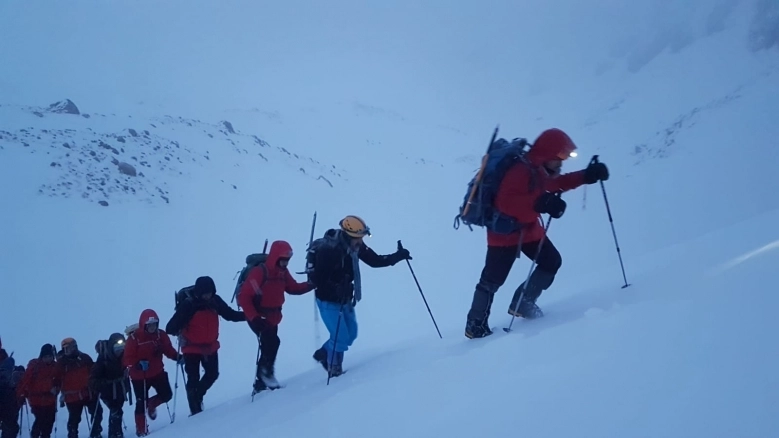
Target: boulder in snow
{"type": "Point", "coordinates": [64, 107]}
{"type": "Point", "coordinates": [127, 169]}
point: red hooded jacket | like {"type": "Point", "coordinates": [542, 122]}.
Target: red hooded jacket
{"type": "Point", "coordinates": [516, 197]}
{"type": "Point", "coordinates": [264, 296]}
{"type": "Point", "coordinates": [40, 383]}
{"type": "Point", "coordinates": [142, 345]}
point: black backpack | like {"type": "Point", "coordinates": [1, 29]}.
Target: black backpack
{"type": "Point", "coordinates": [252, 261]}
{"type": "Point", "coordinates": [331, 240]}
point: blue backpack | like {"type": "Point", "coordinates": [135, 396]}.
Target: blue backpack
{"type": "Point", "coordinates": [478, 204]}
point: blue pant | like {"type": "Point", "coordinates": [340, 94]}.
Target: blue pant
{"type": "Point", "coordinates": [347, 332]}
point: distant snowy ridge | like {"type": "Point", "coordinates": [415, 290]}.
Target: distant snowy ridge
{"type": "Point", "coordinates": [110, 158]}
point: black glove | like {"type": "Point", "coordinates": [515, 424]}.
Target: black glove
{"type": "Point", "coordinates": [258, 325]}
{"type": "Point", "coordinates": [551, 204]}
{"type": "Point", "coordinates": [402, 254]}
{"type": "Point", "coordinates": [595, 172]}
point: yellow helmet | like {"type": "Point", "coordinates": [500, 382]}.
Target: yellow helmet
{"type": "Point", "coordinates": [355, 227]}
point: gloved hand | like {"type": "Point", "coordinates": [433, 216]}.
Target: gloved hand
{"type": "Point", "coordinates": [551, 204]}
{"type": "Point", "coordinates": [595, 171]}
{"type": "Point", "coordinates": [258, 324]}
{"type": "Point", "coordinates": [180, 359]}
{"type": "Point", "coordinates": [143, 365]}
{"type": "Point", "coordinates": [62, 400]}
{"type": "Point", "coordinates": [403, 254]}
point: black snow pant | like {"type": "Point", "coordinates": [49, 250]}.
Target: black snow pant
{"type": "Point", "coordinates": [496, 269]}
{"type": "Point", "coordinates": [44, 420]}
{"type": "Point", "coordinates": [115, 414]}
{"type": "Point", "coordinates": [268, 336]}
{"type": "Point", "coordinates": [76, 410]}
{"type": "Point", "coordinates": [161, 385]}
{"type": "Point", "coordinates": [9, 413]}
{"type": "Point", "coordinates": [197, 387]}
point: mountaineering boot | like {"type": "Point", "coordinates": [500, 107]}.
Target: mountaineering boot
{"type": "Point", "coordinates": [321, 357]}
{"type": "Point", "coordinates": [72, 431]}
{"type": "Point", "coordinates": [258, 386]}
{"type": "Point", "coordinates": [268, 378]}
{"type": "Point", "coordinates": [337, 367]}
{"type": "Point", "coordinates": [539, 281]}
{"type": "Point", "coordinates": [527, 309]}
{"type": "Point", "coordinates": [141, 429]}
{"type": "Point", "coordinates": [195, 401]}
{"type": "Point", "coordinates": [151, 407]}
{"type": "Point", "coordinates": [477, 329]}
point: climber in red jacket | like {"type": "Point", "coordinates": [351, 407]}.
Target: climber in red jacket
{"type": "Point", "coordinates": [528, 190]}
{"type": "Point", "coordinates": [261, 297]}
{"type": "Point", "coordinates": [143, 353]}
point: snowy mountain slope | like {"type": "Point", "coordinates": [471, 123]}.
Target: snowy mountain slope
{"type": "Point", "coordinates": [685, 125]}
{"type": "Point", "coordinates": [679, 353]}
{"type": "Point", "coordinates": [104, 158]}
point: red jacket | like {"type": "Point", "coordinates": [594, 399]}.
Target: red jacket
{"type": "Point", "coordinates": [196, 323]}
{"type": "Point", "coordinates": [142, 345]}
{"type": "Point", "coordinates": [40, 384]}
{"type": "Point", "coordinates": [262, 295]}
{"type": "Point", "coordinates": [75, 376]}
{"type": "Point", "coordinates": [516, 197]}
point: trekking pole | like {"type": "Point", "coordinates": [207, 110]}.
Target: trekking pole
{"type": "Point", "coordinates": [611, 220]}
{"type": "Point", "coordinates": [530, 272]}
{"type": "Point", "coordinates": [145, 401]}
{"type": "Point", "coordinates": [84, 411]}
{"type": "Point", "coordinates": [176, 386]}
{"type": "Point", "coordinates": [27, 414]}
{"type": "Point", "coordinates": [335, 344]}
{"type": "Point", "coordinates": [317, 336]}
{"type": "Point", "coordinates": [94, 417]}
{"type": "Point", "coordinates": [400, 246]}
{"type": "Point", "coordinates": [21, 420]}
{"type": "Point", "coordinates": [257, 368]}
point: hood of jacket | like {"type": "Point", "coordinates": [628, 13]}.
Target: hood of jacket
{"type": "Point", "coordinates": [552, 144]}
{"type": "Point", "coordinates": [147, 316]}
{"type": "Point", "coordinates": [278, 250]}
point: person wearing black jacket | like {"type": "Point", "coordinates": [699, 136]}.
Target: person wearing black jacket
{"type": "Point", "coordinates": [196, 323]}
{"type": "Point", "coordinates": [110, 380]}
{"type": "Point", "coordinates": [338, 287]}
{"type": "Point", "coordinates": [10, 375]}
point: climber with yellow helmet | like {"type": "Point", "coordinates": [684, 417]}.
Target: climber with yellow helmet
{"type": "Point", "coordinates": [334, 267]}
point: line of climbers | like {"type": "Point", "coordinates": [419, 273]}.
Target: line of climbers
{"type": "Point", "coordinates": [515, 188]}
{"type": "Point", "coordinates": [133, 361]}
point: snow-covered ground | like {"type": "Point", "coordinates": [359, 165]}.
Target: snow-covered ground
{"type": "Point", "coordinates": [371, 110]}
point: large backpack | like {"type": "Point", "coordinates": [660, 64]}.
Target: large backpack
{"type": "Point", "coordinates": [478, 204]}
{"type": "Point", "coordinates": [330, 239]}
{"type": "Point", "coordinates": [252, 261]}
{"type": "Point", "coordinates": [6, 372]}
{"type": "Point", "coordinates": [183, 294]}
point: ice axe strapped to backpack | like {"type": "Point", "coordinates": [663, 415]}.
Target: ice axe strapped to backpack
{"type": "Point", "coordinates": [478, 205]}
